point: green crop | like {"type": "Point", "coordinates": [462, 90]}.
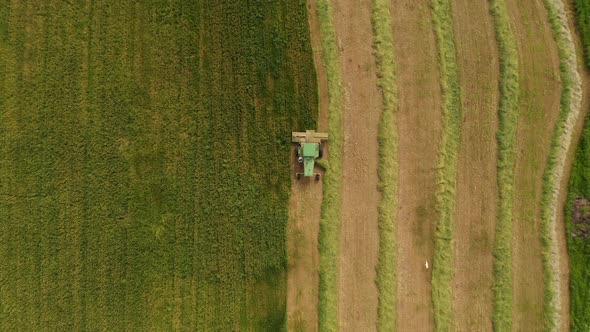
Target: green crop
{"type": "Point", "coordinates": [583, 24]}
{"type": "Point", "coordinates": [144, 169]}
{"type": "Point", "coordinates": [578, 247]}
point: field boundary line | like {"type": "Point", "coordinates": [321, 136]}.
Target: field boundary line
{"type": "Point", "coordinates": [508, 113]}
{"type": "Point", "coordinates": [329, 235]}
{"type": "Point", "coordinates": [571, 102]}
{"type": "Point", "coordinates": [446, 196]}
{"type": "Point", "coordinates": [388, 167]}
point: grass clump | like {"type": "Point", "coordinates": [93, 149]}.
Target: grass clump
{"type": "Point", "coordinates": [506, 138]}
{"type": "Point", "coordinates": [328, 240]}
{"type": "Point", "coordinates": [553, 174]}
{"type": "Point", "coordinates": [383, 44]}
{"type": "Point", "coordinates": [447, 165]}
{"type": "Point", "coordinates": [583, 23]}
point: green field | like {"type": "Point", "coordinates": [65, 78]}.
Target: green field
{"type": "Point", "coordinates": [583, 23]}
{"type": "Point", "coordinates": [578, 247]}
{"type": "Point", "coordinates": [144, 170]}
{"type": "Point", "coordinates": [579, 187]}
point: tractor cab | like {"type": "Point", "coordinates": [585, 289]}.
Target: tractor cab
{"type": "Point", "coordinates": [309, 148]}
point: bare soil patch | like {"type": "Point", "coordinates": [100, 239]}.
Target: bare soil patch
{"type": "Point", "coordinates": [477, 190]}
{"type": "Point", "coordinates": [540, 97]}
{"type": "Point", "coordinates": [302, 246]}
{"type": "Point", "coordinates": [359, 232]}
{"type": "Point", "coordinates": [419, 131]}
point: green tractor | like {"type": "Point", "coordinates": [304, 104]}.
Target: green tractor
{"type": "Point", "coordinates": [309, 148]}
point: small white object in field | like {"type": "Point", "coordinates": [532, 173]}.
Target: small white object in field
{"type": "Point", "coordinates": [426, 264]}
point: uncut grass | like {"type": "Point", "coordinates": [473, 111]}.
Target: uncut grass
{"type": "Point", "coordinates": [578, 247]}
{"type": "Point", "coordinates": [582, 8]}
{"type": "Point", "coordinates": [135, 185]}
{"type": "Point", "coordinates": [328, 238]}
{"type": "Point", "coordinates": [579, 186]}
{"type": "Point", "coordinates": [447, 165]}
{"type": "Point", "coordinates": [562, 135]}
{"type": "Point", "coordinates": [383, 44]}
{"type": "Point", "coordinates": [506, 137]}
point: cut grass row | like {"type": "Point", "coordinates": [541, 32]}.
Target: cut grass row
{"type": "Point", "coordinates": [583, 22]}
{"type": "Point", "coordinates": [553, 174]}
{"type": "Point", "coordinates": [383, 44]}
{"type": "Point", "coordinates": [442, 272]}
{"type": "Point", "coordinates": [328, 241]}
{"type": "Point", "coordinates": [506, 137]}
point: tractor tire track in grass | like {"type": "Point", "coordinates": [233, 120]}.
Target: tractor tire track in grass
{"type": "Point", "coordinates": [419, 126]}
{"type": "Point", "coordinates": [362, 108]}
{"type": "Point", "coordinates": [477, 189]}
{"type": "Point", "coordinates": [539, 107]}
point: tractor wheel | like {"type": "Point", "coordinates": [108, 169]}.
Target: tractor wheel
{"type": "Point", "coordinates": [317, 177]}
{"type": "Point", "coordinates": [321, 154]}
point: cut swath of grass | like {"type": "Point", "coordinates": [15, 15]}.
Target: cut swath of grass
{"type": "Point", "coordinates": [447, 165]}
{"type": "Point", "coordinates": [332, 188]}
{"type": "Point", "coordinates": [560, 143]}
{"type": "Point", "coordinates": [383, 44]}
{"type": "Point", "coordinates": [506, 137]}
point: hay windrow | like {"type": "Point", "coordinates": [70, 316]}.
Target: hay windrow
{"type": "Point", "coordinates": [571, 100]}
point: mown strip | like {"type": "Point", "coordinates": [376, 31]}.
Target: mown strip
{"type": "Point", "coordinates": [560, 142]}
{"type": "Point", "coordinates": [447, 166]}
{"type": "Point", "coordinates": [583, 23]}
{"type": "Point", "coordinates": [383, 44]}
{"type": "Point", "coordinates": [332, 191]}
{"type": "Point", "coordinates": [508, 122]}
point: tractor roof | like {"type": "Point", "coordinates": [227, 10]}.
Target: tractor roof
{"type": "Point", "coordinates": [310, 150]}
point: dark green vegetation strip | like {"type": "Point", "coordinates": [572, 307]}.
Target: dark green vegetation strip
{"type": "Point", "coordinates": [579, 187]}
{"type": "Point", "coordinates": [578, 243]}
{"type": "Point", "coordinates": [442, 272]}
{"type": "Point", "coordinates": [583, 23]}
{"type": "Point", "coordinates": [382, 31]}
{"type": "Point", "coordinates": [144, 169]}
{"type": "Point", "coordinates": [506, 137]}
{"type": "Point", "coordinates": [560, 143]}
{"type": "Point", "coordinates": [332, 197]}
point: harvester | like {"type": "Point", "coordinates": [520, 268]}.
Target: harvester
{"type": "Point", "coordinates": [309, 148]}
